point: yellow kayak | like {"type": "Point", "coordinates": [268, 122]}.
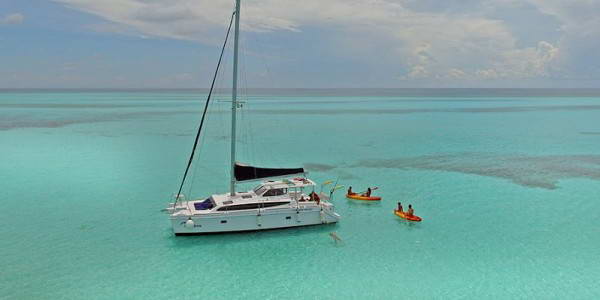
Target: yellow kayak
{"type": "Point", "coordinates": [361, 197]}
{"type": "Point", "coordinates": [403, 215]}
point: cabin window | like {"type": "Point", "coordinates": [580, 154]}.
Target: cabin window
{"type": "Point", "coordinates": [239, 207]}
{"type": "Point", "coordinates": [271, 204]}
{"type": "Point", "coordinates": [251, 206]}
{"type": "Point", "coordinates": [259, 190]}
{"type": "Point", "coordinates": [204, 205]}
{"type": "Point", "coordinates": [275, 192]}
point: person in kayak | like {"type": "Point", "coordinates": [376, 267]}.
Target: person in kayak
{"type": "Point", "coordinates": [410, 211]}
{"type": "Point", "coordinates": [350, 192]}
{"type": "Point", "coordinates": [400, 207]}
{"type": "Point", "coordinates": [368, 193]}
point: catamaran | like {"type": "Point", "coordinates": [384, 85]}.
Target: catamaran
{"type": "Point", "coordinates": [289, 201]}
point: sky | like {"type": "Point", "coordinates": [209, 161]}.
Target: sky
{"type": "Point", "coordinates": [301, 44]}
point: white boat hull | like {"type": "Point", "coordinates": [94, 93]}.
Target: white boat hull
{"type": "Point", "coordinates": [253, 220]}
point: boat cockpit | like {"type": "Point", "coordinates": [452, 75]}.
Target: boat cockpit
{"type": "Point", "coordinates": [269, 194]}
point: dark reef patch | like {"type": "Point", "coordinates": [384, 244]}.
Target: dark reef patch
{"type": "Point", "coordinates": [525, 170]}
{"type": "Point", "coordinates": [7, 123]}
{"type": "Point", "coordinates": [397, 111]}
{"type": "Point", "coordinates": [318, 167]}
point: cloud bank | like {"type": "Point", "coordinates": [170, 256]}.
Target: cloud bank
{"type": "Point", "coordinates": [449, 41]}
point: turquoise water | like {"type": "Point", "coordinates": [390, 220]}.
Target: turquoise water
{"type": "Point", "coordinates": [507, 185]}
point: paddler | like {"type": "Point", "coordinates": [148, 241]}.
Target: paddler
{"type": "Point", "coordinates": [368, 193]}
{"type": "Point", "coordinates": [350, 192]}
{"type": "Point", "coordinates": [400, 207]}
{"type": "Point", "coordinates": [411, 211]}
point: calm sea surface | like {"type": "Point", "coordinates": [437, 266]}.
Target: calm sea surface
{"type": "Point", "coordinates": [507, 182]}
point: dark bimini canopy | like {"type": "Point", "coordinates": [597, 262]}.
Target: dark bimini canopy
{"type": "Point", "coordinates": [244, 172]}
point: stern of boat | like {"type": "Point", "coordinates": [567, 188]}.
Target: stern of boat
{"type": "Point", "coordinates": [328, 214]}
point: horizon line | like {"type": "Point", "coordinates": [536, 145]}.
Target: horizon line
{"type": "Point", "coordinates": [308, 88]}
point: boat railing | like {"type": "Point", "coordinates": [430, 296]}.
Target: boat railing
{"type": "Point", "coordinates": [294, 195]}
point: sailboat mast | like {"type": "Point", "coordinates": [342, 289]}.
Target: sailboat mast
{"type": "Point", "coordinates": [234, 95]}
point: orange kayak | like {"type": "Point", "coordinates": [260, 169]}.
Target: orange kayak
{"type": "Point", "coordinates": [403, 215]}
{"type": "Point", "coordinates": [361, 197]}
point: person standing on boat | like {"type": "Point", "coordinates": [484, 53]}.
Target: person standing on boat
{"type": "Point", "coordinates": [411, 211]}
{"type": "Point", "coordinates": [315, 197]}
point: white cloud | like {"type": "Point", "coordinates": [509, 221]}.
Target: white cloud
{"type": "Point", "coordinates": [12, 19]}
{"type": "Point", "coordinates": [456, 74]}
{"type": "Point", "coordinates": [417, 72]}
{"type": "Point", "coordinates": [580, 41]}
{"type": "Point", "coordinates": [428, 44]}
{"type": "Point", "coordinates": [576, 15]}
{"type": "Point", "coordinates": [487, 74]}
